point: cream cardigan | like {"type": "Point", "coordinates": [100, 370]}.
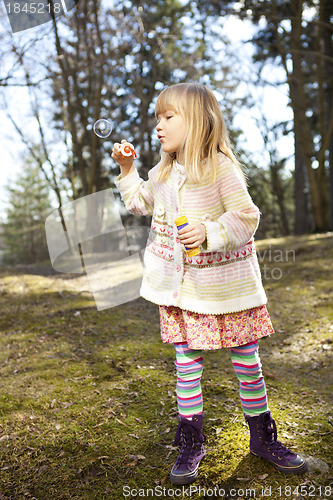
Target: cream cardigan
{"type": "Point", "coordinates": [225, 277]}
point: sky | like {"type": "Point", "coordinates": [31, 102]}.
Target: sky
{"type": "Point", "coordinates": [272, 101]}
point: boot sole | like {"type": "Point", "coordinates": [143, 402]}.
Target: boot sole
{"type": "Point", "coordinates": [286, 470]}
{"type": "Point", "coordinates": [186, 478]}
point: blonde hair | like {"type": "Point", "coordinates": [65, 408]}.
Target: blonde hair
{"type": "Point", "coordinates": [206, 135]}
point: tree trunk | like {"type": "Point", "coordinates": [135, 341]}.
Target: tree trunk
{"type": "Point", "coordinates": [326, 13]}
{"type": "Point", "coordinates": [302, 225]}
{"type": "Point", "coordinates": [278, 191]}
{"type": "Point", "coordinates": [303, 137]}
{"type": "Point", "coordinates": [323, 117]}
{"type": "Point", "coordinates": [318, 194]}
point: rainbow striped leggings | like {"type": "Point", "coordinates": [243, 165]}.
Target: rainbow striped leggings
{"type": "Point", "coordinates": [247, 366]}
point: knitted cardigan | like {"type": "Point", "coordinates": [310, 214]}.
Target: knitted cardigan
{"type": "Point", "coordinates": [225, 277]}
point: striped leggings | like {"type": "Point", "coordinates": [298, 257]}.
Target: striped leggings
{"type": "Point", "coordinates": [247, 366]}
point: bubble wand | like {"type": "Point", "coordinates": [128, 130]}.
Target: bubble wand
{"type": "Point", "coordinates": [103, 129]}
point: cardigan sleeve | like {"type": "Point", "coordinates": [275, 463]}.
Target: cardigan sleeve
{"type": "Point", "coordinates": [237, 225]}
{"type": "Point", "coordinates": [137, 194]}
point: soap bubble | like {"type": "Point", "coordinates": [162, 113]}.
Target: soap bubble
{"type": "Point", "coordinates": [103, 128]}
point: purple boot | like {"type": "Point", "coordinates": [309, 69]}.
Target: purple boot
{"type": "Point", "coordinates": [263, 443]}
{"type": "Point", "coordinates": [185, 470]}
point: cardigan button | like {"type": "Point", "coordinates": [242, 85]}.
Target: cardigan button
{"type": "Point", "coordinates": [175, 295]}
{"type": "Point", "coordinates": [178, 268]}
{"type": "Point", "coordinates": [160, 210]}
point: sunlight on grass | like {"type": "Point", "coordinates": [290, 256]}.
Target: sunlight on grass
{"type": "Point", "coordinates": [88, 399]}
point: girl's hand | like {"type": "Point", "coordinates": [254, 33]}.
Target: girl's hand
{"type": "Point", "coordinates": [125, 162]}
{"type": "Point", "coordinates": [192, 235]}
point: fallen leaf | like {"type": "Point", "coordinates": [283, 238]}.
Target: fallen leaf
{"type": "Point", "coordinates": [5, 437]}
{"type": "Point", "coordinates": [172, 448]}
{"type": "Point", "coordinates": [136, 457]}
{"type": "Point", "coordinates": [98, 458]}
{"type": "Point", "coordinates": [287, 436]}
{"type": "Point", "coordinates": [269, 374]}
{"type": "Point", "coordinates": [263, 476]}
{"type": "Point", "coordinates": [42, 469]}
{"type": "Point", "coordinates": [120, 422]}
{"type": "Point", "coordinates": [164, 480]}
{"type": "Point", "coordinates": [131, 464]}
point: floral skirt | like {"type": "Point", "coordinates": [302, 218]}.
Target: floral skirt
{"type": "Point", "coordinates": [208, 331]}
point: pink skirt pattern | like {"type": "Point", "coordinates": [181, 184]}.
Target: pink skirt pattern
{"type": "Point", "coordinates": [208, 331]}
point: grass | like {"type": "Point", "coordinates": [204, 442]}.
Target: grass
{"type": "Point", "coordinates": [87, 402]}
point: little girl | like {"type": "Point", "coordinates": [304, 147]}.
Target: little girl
{"type": "Point", "coordinates": [215, 299]}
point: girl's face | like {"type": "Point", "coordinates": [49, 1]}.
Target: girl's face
{"type": "Point", "coordinates": [171, 129]}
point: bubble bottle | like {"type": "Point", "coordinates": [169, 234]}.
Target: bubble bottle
{"type": "Point", "coordinates": [183, 222]}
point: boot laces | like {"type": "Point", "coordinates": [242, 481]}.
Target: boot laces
{"type": "Point", "coordinates": [192, 439]}
{"type": "Point", "coordinates": [270, 437]}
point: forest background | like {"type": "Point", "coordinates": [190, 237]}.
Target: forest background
{"type": "Point", "coordinates": [111, 60]}
{"type": "Point", "coordinates": [87, 402]}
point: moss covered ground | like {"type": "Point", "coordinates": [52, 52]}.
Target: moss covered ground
{"type": "Point", "coordinates": [88, 406]}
